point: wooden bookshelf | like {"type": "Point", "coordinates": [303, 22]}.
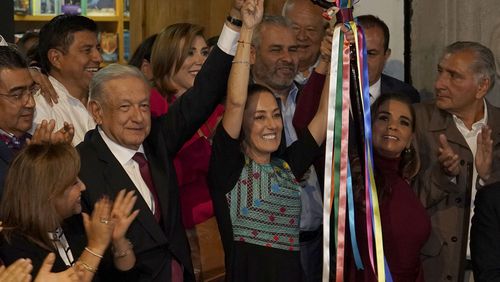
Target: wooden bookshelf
{"type": "Point", "coordinates": [151, 16]}
{"type": "Point", "coordinates": [46, 18]}
{"type": "Point", "coordinates": [117, 24]}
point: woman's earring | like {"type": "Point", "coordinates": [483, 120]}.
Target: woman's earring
{"type": "Point", "coordinates": [408, 150]}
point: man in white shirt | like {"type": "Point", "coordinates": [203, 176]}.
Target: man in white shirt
{"type": "Point", "coordinates": [70, 55]}
{"type": "Point", "coordinates": [458, 137]}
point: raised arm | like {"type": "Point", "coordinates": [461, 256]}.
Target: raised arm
{"type": "Point", "coordinates": [251, 13]}
{"type": "Point", "coordinates": [318, 124]}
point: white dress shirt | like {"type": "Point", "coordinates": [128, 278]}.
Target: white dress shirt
{"type": "Point", "coordinates": [470, 137]}
{"type": "Point", "coordinates": [68, 109]}
{"type": "Point", "coordinates": [124, 157]}
{"type": "Point", "coordinates": [375, 90]}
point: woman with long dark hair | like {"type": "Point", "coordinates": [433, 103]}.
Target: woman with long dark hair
{"type": "Point", "coordinates": [405, 223]}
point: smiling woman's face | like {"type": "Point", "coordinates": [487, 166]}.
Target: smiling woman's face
{"type": "Point", "coordinates": [392, 128]}
{"type": "Point", "coordinates": [184, 78]}
{"type": "Point", "coordinates": [262, 126]}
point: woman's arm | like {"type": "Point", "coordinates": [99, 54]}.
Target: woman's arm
{"type": "Point", "coordinates": [99, 228]}
{"type": "Point", "coordinates": [318, 124]}
{"type": "Point", "coordinates": [251, 12]}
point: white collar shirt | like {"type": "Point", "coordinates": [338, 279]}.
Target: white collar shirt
{"type": "Point", "coordinates": [302, 77]}
{"type": "Point", "coordinates": [61, 244]}
{"type": "Point", "coordinates": [375, 90]}
{"type": "Point", "coordinates": [124, 157]}
{"type": "Point", "coordinates": [68, 109]}
{"type": "Point", "coordinates": [470, 137]}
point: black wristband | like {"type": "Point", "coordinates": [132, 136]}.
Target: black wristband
{"type": "Point", "coordinates": [234, 21]}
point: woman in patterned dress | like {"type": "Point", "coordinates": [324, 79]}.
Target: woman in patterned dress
{"type": "Point", "coordinates": [253, 184]}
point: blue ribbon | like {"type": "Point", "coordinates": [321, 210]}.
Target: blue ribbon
{"type": "Point", "coordinates": [352, 225]}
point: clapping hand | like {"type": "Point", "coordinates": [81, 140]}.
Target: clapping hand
{"type": "Point", "coordinates": [19, 271]}
{"type": "Point", "coordinates": [484, 153]}
{"type": "Point", "coordinates": [122, 214]}
{"type": "Point", "coordinates": [44, 133]}
{"type": "Point", "coordinates": [99, 226]}
{"type": "Point", "coordinates": [449, 160]}
{"type": "Point", "coordinates": [45, 274]}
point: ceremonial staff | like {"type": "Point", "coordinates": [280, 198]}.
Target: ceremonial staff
{"type": "Point", "coordinates": [349, 138]}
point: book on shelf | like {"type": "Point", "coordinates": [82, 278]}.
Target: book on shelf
{"type": "Point", "coordinates": [109, 46]}
{"type": "Point", "coordinates": [101, 8]}
{"type": "Point", "coordinates": [22, 7]}
{"type": "Point", "coordinates": [126, 8]}
{"type": "Point", "coordinates": [46, 7]}
{"type": "Point", "coordinates": [126, 44]}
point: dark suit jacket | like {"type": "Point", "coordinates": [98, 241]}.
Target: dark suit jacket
{"type": "Point", "coordinates": [156, 244]}
{"type": "Point", "coordinates": [6, 157]}
{"type": "Point", "coordinates": [390, 84]}
{"type": "Point", "coordinates": [485, 234]}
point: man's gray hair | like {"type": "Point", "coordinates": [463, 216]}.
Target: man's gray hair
{"type": "Point", "coordinates": [111, 72]}
{"type": "Point", "coordinates": [484, 63]}
{"type": "Point", "coordinates": [286, 7]}
{"type": "Point", "coordinates": [269, 20]}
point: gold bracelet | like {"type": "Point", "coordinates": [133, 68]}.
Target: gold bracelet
{"type": "Point", "coordinates": [243, 42]}
{"type": "Point", "coordinates": [122, 253]}
{"type": "Point", "coordinates": [241, 62]}
{"type": "Point", "coordinates": [86, 266]}
{"type": "Point", "coordinates": [93, 253]}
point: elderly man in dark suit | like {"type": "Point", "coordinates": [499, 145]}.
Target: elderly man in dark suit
{"type": "Point", "coordinates": [129, 150]}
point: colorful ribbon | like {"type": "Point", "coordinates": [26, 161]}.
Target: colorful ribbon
{"type": "Point", "coordinates": [338, 181]}
{"type": "Point", "coordinates": [330, 136]}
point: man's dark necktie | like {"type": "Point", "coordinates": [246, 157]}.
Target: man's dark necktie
{"type": "Point", "coordinates": [146, 176]}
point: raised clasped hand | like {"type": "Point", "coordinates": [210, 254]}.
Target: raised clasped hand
{"type": "Point", "coordinates": [252, 12]}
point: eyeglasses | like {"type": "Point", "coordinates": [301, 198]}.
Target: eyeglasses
{"type": "Point", "coordinates": [22, 95]}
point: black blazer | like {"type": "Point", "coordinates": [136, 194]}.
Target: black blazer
{"type": "Point", "coordinates": [390, 84]}
{"type": "Point", "coordinates": [485, 234]}
{"type": "Point", "coordinates": [155, 244]}
{"type": "Point", "coordinates": [20, 247]}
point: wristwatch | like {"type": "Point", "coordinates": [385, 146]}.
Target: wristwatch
{"type": "Point", "coordinates": [234, 21]}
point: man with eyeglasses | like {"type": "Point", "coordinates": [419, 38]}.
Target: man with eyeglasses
{"type": "Point", "coordinates": [17, 108]}
{"type": "Point", "coordinates": [309, 28]}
